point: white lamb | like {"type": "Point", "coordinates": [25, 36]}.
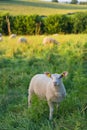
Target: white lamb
{"type": "Point", "coordinates": [48, 40]}
{"type": "Point", "coordinates": [0, 34]}
{"type": "Point", "coordinates": [49, 86]}
{"type": "Point", "coordinates": [12, 36]}
{"type": "Point", "coordinates": [22, 40]}
{"type": "Point", "coordinates": [1, 39]}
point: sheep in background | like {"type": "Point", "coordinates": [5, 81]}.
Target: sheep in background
{"type": "Point", "coordinates": [0, 34]}
{"type": "Point", "coordinates": [22, 40]}
{"type": "Point", "coordinates": [12, 36]}
{"type": "Point", "coordinates": [1, 39]}
{"type": "Point", "coordinates": [49, 86]}
{"type": "Point", "coordinates": [55, 34]}
{"type": "Point", "coordinates": [48, 40]}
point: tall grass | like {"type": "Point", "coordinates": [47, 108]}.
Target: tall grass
{"type": "Point", "coordinates": [19, 62]}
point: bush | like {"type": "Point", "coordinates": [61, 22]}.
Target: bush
{"type": "Point", "coordinates": [80, 23]}
{"type": "Point", "coordinates": [21, 24]}
{"type": "Point", "coordinates": [3, 24]}
{"type": "Point", "coordinates": [26, 24]}
{"type": "Point", "coordinates": [51, 24]}
{"type": "Point", "coordinates": [35, 24]}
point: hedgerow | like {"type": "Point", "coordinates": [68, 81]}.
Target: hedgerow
{"type": "Point", "coordinates": [35, 24]}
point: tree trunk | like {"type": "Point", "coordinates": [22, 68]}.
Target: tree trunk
{"type": "Point", "coordinates": [8, 25]}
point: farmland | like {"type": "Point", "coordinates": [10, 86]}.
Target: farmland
{"type": "Point", "coordinates": [19, 62]}
{"type": "Point", "coordinates": [28, 7]}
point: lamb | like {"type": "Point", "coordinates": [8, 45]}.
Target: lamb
{"type": "Point", "coordinates": [48, 40]}
{"type": "Point", "coordinates": [49, 86]}
{"type": "Point", "coordinates": [1, 39]}
{"type": "Point", "coordinates": [22, 40]}
{"type": "Point", "coordinates": [12, 36]}
{"type": "Point", "coordinates": [0, 34]}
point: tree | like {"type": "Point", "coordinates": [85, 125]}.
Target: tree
{"type": "Point", "coordinates": [74, 1]}
{"type": "Point", "coordinates": [54, 0]}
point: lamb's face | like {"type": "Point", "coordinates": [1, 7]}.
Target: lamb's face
{"type": "Point", "coordinates": [56, 78]}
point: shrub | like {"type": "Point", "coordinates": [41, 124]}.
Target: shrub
{"type": "Point", "coordinates": [80, 23]}
{"type": "Point", "coordinates": [35, 24]}
{"type": "Point", "coordinates": [51, 24]}
{"type": "Point", "coordinates": [3, 24]}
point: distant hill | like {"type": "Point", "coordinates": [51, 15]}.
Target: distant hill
{"type": "Point", "coordinates": [18, 7]}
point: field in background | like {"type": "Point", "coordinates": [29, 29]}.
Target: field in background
{"type": "Point", "coordinates": [28, 7]}
{"type": "Point", "coordinates": [19, 62]}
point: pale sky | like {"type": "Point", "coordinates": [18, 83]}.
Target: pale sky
{"type": "Point", "coordinates": [67, 0]}
{"type": "Point", "coordinates": [70, 0]}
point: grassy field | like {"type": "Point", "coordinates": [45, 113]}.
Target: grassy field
{"type": "Point", "coordinates": [19, 62]}
{"type": "Point", "coordinates": [28, 7]}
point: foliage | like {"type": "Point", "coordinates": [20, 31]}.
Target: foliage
{"type": "Point", "coordinates": [19, 62]}
{"type": "Point", "coordinates": [54, 0]}
{"type": "Point", "coordinates": [83, 3]}
{"type": "Point", "coordinates": [3, 24]}
{"type": "Point", "coordinates": [25, 24]}
{"type": "Point", "coordinates": [35, 24]}
{"type": "Point", "coordinates": [74, 1]}
{"type": "Point", "coordinates": [58, 24]}
{"type": "Point", "coordinates": [80, 23]}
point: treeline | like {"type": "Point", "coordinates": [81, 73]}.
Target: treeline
{"type": "Point", "coordinates": [83, 3]}
{"type": "Point", "coordinates": [35, 24]}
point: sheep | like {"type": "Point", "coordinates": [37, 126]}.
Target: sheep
{"type": "Point", "coordinates": [48, 40]}
{"type": "Point", "coordinates": [55, 34]}
{"type": "Point", "coordinates": [22, 40]}
{"type": "Point", "coordinates": [0, 34]}
{"type": "Point", "coordinates": [1, 39]}
{"type": "Point", "coordinates": [12, 36]}
{"type": "Point", "coordinates": [49, 86]}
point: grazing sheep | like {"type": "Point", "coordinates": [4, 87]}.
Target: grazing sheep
{"type": "Point", "coordinates": [48, 40]}
{"type": "Point", "coordinates": [0, 35]}
{"type": "Point", "coordinates": [49, 86]}
{"type": "Point", "coordinates": [22, 40]}
{"type": "Point", "coordinates": [12, 36]}
{"type": "Point", "coordinates": [1, 39]}
{"type": "Point", "coordinates": [55, 34]}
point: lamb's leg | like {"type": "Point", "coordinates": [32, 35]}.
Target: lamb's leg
{"type": "Point", "coordinates": [51, 107]}
{"type": "Point", "coordinates": [29, 98]}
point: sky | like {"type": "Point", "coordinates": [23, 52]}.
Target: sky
{"type": "Point", "coordinates": [67, 0]}
{"type": "Point", "coordinates": [70, 0]}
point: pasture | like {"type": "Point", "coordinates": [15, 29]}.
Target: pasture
{"type": "Point", "coordinates": [28, 7]}
{"type": "Point", "coordinates": [20, 61]}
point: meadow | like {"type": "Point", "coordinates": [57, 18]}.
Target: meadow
{"type": "Point", "coordinates": [28, 7]}
{"type": "Point", "coordinates": [20, 62]}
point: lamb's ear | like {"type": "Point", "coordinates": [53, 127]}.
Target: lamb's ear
{"type": "Point", "coordinates": [64, 74]}
{"type": "Point", "coordinates": [47, 74]}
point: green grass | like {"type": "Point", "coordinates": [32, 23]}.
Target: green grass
{"type": "Point", "coordinates": [19, 62]}
{"type": "Point", "coordinates": [28, 7]}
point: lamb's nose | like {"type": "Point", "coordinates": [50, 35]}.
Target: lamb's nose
{"type": "Point", "coordinates": [55, 83]}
